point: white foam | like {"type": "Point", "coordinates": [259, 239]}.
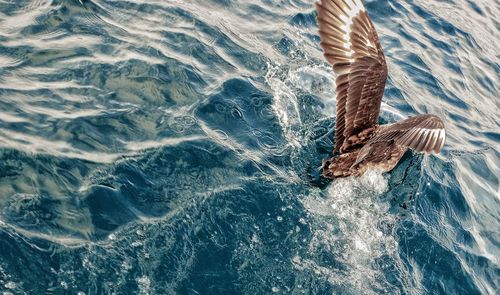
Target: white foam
{"type": "Point", "coordinates": [285, 104]}
{"type": "Point", "coordinates": [144, 284]}
{"type": "Point", "coordinates": [345, 222]}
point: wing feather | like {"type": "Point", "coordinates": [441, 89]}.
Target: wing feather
{"type": "Point", "coordinates": [351, 45]}
{"type": "Point", "coordinates": [424, 133]}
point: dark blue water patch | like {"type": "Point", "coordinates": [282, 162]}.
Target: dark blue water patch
{"type": "Point", "coordinates": [402, 197]}
{"type": "Point", "coordinates": [211, 272]}
{"type": "Point", "coordinates": [475, 7]}
{"type": "Point", "coordinates": [234, 110]}
{"type": "Point", "coordinates": [439, 263]}
{"type": "Point", "coordinates": [437, 193]}
{"type": "Point", "coordinates": [381, 11]}
{"type": "Point", "coordinates": [478, 164]}
{"type": "Point", "coordinates": [64, 16]}
{"type": "Point", "coordinates": [422, 75]}
{"type": "Point", "coordinates": [487, 84]}
{"type": "Point", "coordinates": [43, 203]}
{"type": "Point", "coordinates": [440, 44]}
{"type": "Point", "coordinates": [305, 20]}
{"type": "Point", "coordinates": [287, 47]}
{"type": "Point", "coordinates": [109, 210]}
{"type": "Point", "coordinates": [410, 37]}
{"type": "Point", "coordinates": [311, 104]}
{"type": "Point", "coordinates": [493, 65]}
{"type": "Point", "coordinates": [395, 97]}
{"type": "Point", "coordinates": [17, 165]}
{"type": "Point", "coordinates": [89, 133]}
{"type": "Point", "coordinates": [494, 136]}
{"type": "Point", "coordinates": [390, 43]}
{"type": "Point", "coordinates": [454, 64]}
{"type": "Point", "coordinates": [24, 265]}
{"type": "Point", "coordinates": [31, 211]}
{"type": "Point", "coordinates": [465, 124]}
{"type": "Point", "coordinates": [308, 162]}
{"type": "Point", "coordinates": [206, 249]}
{"type": "Point", "coordinates": [441, 198]}
{"type": "Point", "coordinates": [155, 184]}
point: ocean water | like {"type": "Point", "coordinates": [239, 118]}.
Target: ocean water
{"type": "Point", "coordinates": [174, 147]}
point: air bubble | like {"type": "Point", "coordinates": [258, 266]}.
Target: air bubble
{"type": "Point", "coordinates": [220, 108]}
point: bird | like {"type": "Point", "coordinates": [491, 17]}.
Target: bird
{"type": "Point", "coordinates": [351, 45]}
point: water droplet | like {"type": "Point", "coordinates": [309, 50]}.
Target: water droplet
{"type": "Point", "coordinates": [257, 101]}
{"type": "Point", "coordinates": [220, 108]}
{"type": "Point", "coordinates": [188, 120]}
{"type": "Point", "coordinates": [237, 113]}
{"type": "Point", "coordinates": [125, 266]}
{"type": "Point", "coordinates": [144, 283]}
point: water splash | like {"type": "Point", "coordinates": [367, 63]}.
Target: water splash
{"type": "Point", "coordinates": [352, 225]}
{"type": "Point", "coordinates": [199, 128]}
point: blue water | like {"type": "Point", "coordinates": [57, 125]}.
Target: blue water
{"type": "Point", "coordinates": [173, 147]}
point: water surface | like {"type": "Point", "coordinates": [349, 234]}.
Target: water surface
{"type": "Point", "coordinates": [173, 147]}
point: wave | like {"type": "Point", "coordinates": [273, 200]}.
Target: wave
{"type": "Point", "coordinates": [175, 147]}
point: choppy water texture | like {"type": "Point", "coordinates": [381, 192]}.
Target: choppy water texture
{"type": "Point", "coordinates": [173, 147]}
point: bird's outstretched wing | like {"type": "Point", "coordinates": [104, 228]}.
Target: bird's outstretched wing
{"type": "Point", "coordinates": [424, 133]}
{"type": "Point", "coordinates": [352, 47]}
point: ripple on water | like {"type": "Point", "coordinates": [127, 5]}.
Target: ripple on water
{"type": "Point", "coordinates": [174, 147]}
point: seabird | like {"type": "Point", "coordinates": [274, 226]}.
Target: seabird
{"type": "Point", "coordinates": [351, 45]}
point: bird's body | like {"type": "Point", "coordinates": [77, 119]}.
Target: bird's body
{"type": "Point", "coordinates": [351, 45]}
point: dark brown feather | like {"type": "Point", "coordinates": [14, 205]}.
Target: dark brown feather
{"type": "Point", "coordinates": [423, 133]}
{"type": "Point", "coordinates": [351, 45]}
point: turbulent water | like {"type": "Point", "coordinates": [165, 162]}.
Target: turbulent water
{"type": "Point", "coordinates": [174, 146]}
